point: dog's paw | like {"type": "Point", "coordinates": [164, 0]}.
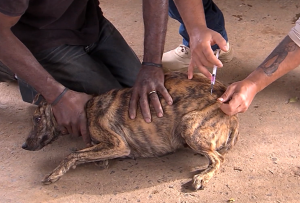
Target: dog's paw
{"type": "Point", "coordinates": [102, 164]}
{"type": "Point", "coordinates": [198, 184]}
{"type": "Point", "coordinates": [200, 181]}
{"type": "Point", "coordinates": [49, 179]}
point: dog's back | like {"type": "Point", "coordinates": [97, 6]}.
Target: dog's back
{"type": "Point", "coordinates": [165, 134]}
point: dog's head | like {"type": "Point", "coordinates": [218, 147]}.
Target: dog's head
{"type": "Point", "coordinates": [44, 129]}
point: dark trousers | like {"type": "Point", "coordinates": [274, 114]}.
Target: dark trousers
{"type": "Point", "coordinates": [6, 74]}
{"type": "Point", "coordinates": [106, 64]}
{"type": "Point", "coordinates": [213, 16]}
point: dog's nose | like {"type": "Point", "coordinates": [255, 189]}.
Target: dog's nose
{"type": "Point", "coordinates": [24, 145]}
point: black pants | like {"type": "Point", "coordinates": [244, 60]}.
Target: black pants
{"type": "Point", "coordinates": [6, 74]}
{"type": "Point", "coordinates": [106, 64]}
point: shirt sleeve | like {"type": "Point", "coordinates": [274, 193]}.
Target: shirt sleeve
{"type": "Point", "coordinates": [13, 7]}
{"type": "Point", "coordinates": [294, 34]}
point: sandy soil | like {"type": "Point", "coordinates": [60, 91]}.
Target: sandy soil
{"type": "Point", "coordinates": [263, 166]}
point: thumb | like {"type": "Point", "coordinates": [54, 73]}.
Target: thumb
{"type": "Point", "coordinates": [221, 42]}
{"type": "Point", "coordinates": [226, 95]}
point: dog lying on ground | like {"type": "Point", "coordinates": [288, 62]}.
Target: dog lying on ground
{"type": "Point", "coordinates": [194, 120]}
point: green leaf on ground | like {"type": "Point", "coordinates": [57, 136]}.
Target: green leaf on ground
{"type": "Point", "coordinates": [293, 100]}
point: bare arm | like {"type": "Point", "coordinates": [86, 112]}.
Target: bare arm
{"type": "Point", "coordinates": [201, 37]}
{"type": "Point", "coordinates": [151, 78]}
{"type": "Point", "coordinates": [19, 59]}
{"type": "Point", "coordinates": [69, 112]}
{"type": "Point", "coordinates": [284, 58]}
{"type": "Point", "coordinates": [155, 15]}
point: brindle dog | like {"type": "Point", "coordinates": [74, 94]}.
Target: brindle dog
{"type": "Point", "coordinates": [194, 120]}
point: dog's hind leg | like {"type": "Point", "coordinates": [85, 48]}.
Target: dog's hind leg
{"type": "Point", "coordinates": [205, 132]}
{"type": "Point", "coordinates": [114, 148]}
{"type": "Point", "coordinates": [215, 159]}
{"type": "Point", "coordinates": [208, 150]}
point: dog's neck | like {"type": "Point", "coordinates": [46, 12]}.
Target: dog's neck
{"type": "Point", "coordinates": [56, 129]}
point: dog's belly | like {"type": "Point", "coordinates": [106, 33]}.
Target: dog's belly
{"type": "Point", "coordinates": [154, 148]}
{"type": "Point", "coordinates": [157, 138]}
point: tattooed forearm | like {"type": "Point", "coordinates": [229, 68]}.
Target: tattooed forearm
{"type": "Point", "coordinates": [272, 62]}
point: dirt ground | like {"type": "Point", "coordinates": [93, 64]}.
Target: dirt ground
{"type": "Point", "coordinates": [262, 167]}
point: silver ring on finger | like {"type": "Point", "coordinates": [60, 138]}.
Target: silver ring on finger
{"type": "Point", "coordinates": [152, 92]}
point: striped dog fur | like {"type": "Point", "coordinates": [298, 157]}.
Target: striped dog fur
{"type": "Point", "coordinates": [194, 120]}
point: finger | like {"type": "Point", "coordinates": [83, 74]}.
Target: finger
{"type": "Point", "coordinates": [190, 71]}
{"type": "Point", "coordinates": [133, 105]}
{"type": "Point", "coordinates": [232, 107]}
{"type": "Point", "coordinates": [64, 131]}
{"type": "Point", "coordinates": [144, 104]}
{"type": "Point", "coordinates": [69, 129]}
{"type": "Point", "coordinates": [75, 130]}
{"type": "Point", "coordinates": [154, 100]}
{"type": "Point", "coordinates": [204, 71]}
{"type": "Point", "coordinates": [205, 61]}
{"type": "Point", "coordinates": [200, 67]}
{"type": "Point", "coordinates": [63, 127]}
{"type": "Point", "coordinates": [226, 108]}
{"type": "Point", "coordinates": [227, 94]}
{"type": "Point", "coordinates": [229, 110]}
{"type": "Point", "coordinates": [85, 133]}
{"type": "Point", "coordinates": [164, 92]}
{"type": "Point", "coordinates": [242, 109]}
{"type": "Point", "coordinates": [210, 59]}
{"type": "Point", "coordinates": [221, 42]}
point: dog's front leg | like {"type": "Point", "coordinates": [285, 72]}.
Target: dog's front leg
{"type": "Point", "coordinates": [99, 152]}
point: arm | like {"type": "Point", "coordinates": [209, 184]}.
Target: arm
{"type": "Point", "coordinates": [201, 37]}
{"type": "Point", "coordinates": [19, 59]}
{"type": "Point", "coordinates": [151, 78]}
{"type": "Point", "coordinates": [284, 58]}
{"type": "Point", "coordinates": [22, 59]}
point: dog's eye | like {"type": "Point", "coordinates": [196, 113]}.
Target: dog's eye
{"type": "Point", "coordinates": [37, 119]}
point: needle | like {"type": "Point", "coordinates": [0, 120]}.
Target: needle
{"type": "Point", "coordinates": [214, 73]}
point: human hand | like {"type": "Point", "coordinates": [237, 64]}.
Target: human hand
{"type": "Point", "coordinates": [238, 97]}
{"type": "Point", "coordinates": [71, 116]}
{"type": "Point", "coordinates": [149, 79]}
{"type": "Point", "coordinates": [202, 55]}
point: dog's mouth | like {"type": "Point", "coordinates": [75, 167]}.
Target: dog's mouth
{"type": "Point", "coordinates": [34, 144]}
{"type": "Point", "coordinates": [32, 148]}
{"type": "Point", "coordinates": [37, 141]}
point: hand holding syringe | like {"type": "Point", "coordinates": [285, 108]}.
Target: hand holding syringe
{"type": "Point", "coordinates": [214, 73]}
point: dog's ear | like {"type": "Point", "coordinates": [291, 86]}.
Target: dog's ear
{"type": "Point", "coordinates": [36, 98]}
